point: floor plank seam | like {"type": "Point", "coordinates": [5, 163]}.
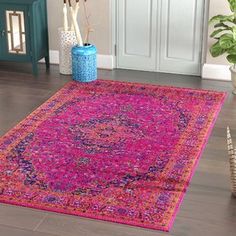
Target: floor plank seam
{"type": "Point", "coordinates": [40, 222]}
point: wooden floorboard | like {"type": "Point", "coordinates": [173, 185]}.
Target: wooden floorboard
{"type": "Point", "coordinates": [208, 208]}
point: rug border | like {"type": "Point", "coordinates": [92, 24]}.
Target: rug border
{"type": "Point", "coordinates": [198, 158]}
{"type": "Point", "coordinates": [159, 85]}
{"type": "Point", "coordinates": [86, 216]}
{"type": "Point", "coordinates": [28, 115]}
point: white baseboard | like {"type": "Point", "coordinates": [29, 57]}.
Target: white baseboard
{"type": "Point", "coordinates": [54, 57]}
{"type": "Point", "coordinates": [104, 61]}
{"type": "Point", "coordinates": [216, 72]}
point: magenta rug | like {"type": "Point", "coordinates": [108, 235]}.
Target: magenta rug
{"type": "Point", "coordinates": [113, 151]}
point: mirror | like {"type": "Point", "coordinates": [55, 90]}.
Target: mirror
{"type": "Point", "coordinates": [16, 32]}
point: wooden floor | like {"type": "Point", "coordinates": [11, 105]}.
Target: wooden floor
{"type": "Point", "coordinates": [208, 208]}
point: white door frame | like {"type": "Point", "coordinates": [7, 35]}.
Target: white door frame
{"type": "Point", "coordinates": [205, 32]}
{"type": "Point", "coordinates": [114, 29]}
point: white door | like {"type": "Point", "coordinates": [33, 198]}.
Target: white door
{"type": "Point", "coordinates": [160, 35]}
{"type": "Point", "coordinates": [137, 34]}
{"type": "Point", "coordinates": [181, 36]}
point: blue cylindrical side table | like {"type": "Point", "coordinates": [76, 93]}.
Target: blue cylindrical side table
{"type": "Point", "coordinates": [84, 63]}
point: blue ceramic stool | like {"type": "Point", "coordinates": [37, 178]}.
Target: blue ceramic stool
{"type": "Point", "coordinates": [84, 63]}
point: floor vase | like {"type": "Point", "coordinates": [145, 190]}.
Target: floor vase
{"type": "Point", "coordinates": [84, 63]}
{"type": "Point", "coordinates": [67, 41]}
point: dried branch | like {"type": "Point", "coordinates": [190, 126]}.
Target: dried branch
{"type": "Point", "coordinates": [75, 23]}
{"type": "Point", "coordinates": [89, 28]}
{"type": "Point", "coordinates": [65, 17]}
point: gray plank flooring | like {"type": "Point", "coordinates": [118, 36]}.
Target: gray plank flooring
{"type": "Point", "coordinates": [208, 208]}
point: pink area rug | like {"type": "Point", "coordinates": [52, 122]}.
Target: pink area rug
{"type": "Point", "coordinates": [114, 151]}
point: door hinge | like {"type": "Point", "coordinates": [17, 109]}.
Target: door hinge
{"type": "Point", "coordinates": [201, 56]}
{"type": "Point", "coordinates": [115, 50]}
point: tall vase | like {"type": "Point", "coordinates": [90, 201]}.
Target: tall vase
{"type": "Point", "coordinates": [67, 41]}
{"type": "Point", "coordinates": [84, 63]}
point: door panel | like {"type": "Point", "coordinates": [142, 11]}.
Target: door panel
{"type": "Point", "coordinates": [181, 33]}
{"type": "Point", "coordinates": [137, 21]}
{"type": "Point", "coordinates": [160, 35]}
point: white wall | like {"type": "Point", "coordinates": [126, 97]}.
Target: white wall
{"type": "Point", "coordinates": [100, 12]}
{"type": "Point", "coordinates": [216, 7]}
